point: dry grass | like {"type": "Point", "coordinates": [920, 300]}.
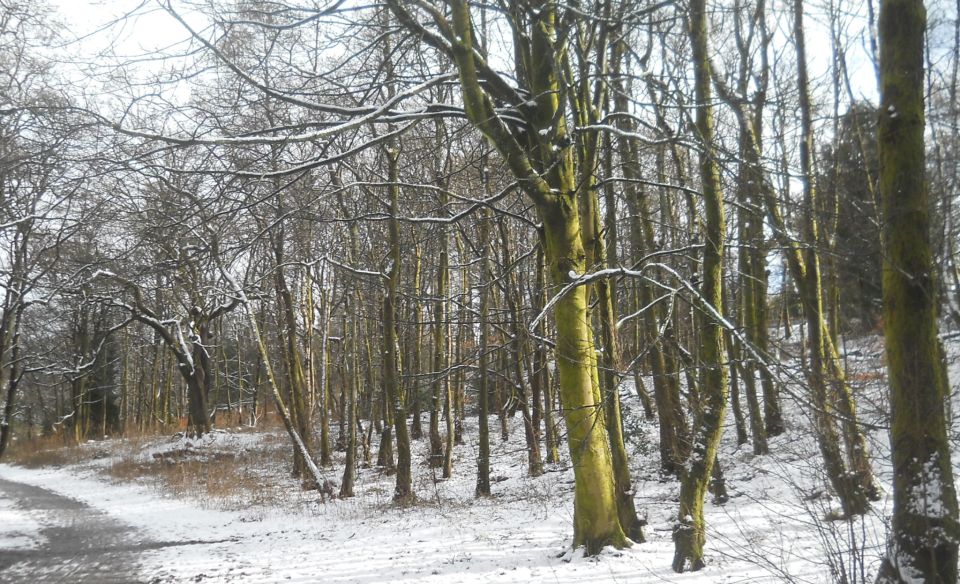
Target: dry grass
{"type": "Point", "coordinates": [216, 478]}
{"type": "Point", "coordinates": [59, 449]}
{"type": "Point", "coordinates": [218, 474]}
{"type": "Point", "coordinates": [41, 452]}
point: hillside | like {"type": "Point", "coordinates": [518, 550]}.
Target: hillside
{"type": "Point", "coordinates": [226, 510]}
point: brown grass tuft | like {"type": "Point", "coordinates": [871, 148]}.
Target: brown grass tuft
{"type": "Point", "coordinates": [40, 452]}
{"type": "Point", "coordinates": [218, 479]}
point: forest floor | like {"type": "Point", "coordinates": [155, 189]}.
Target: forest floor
{"type": "Point", "coordinates": [226, 509]}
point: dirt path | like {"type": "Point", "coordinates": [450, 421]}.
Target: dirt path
{"type": "Point", "coordinates": [82, 544]}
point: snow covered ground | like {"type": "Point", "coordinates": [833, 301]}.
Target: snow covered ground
{"type": "Point", "coordinates": [771, 530]}
{"type": "Point", "coordinates": [18, 531]}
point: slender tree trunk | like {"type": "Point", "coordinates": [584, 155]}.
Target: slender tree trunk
{"type": "Point", "coordinates": [542, 364]}
{"type": "Point", "coordinates": [442, 341]}
{"type": "Point", "coordinates": [414, 343]}
{"type": "Point", "coordinates": [321, 378]}
{"type": "Point", "coordinates": [689, 534]}
{"type": "Point", "coordinates": [439, 384]}
{"type": "Point", "coordinates": [353, 382]}
{"type": "Point", "coordinates": [483, 385]}
{"type": "Point", "coordinates": [666, 389]}
{"type": "Point", "coordinates": [515, 356]}
{"type": "Point", "coordinates": [825, 374]}
{"type": "Point", "coordinates": [403, 491]}
{"type": "Point", "coordinates": [464, 328]}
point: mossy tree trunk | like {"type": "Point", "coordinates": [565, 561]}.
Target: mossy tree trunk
{"type": "Point", "coordinates": [596, 519]}
{"type": "Point", "coordinates": [825, 376]}
{"type": "Point", "coordinates": [545, 148]}
{"type": "Point", "coordinates": [609, 377]}
{"type": "Point", "coordinates": [592, 94]}
{"type": "Point", "coordinates": [924, 533]}
{"type": "Point", "coordinates": [689, 533]}
{"type": "Point", "coordinates": [752, 298]}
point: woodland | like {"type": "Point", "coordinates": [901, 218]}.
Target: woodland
{"type": "Point", "coordinates": [374, 221]}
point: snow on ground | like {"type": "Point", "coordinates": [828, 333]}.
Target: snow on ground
{"type": "Point", "coordinates": [773, 528]}
{"type": "Point", "coordinates": [18, 531]}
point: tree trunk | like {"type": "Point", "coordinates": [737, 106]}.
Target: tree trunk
{"type": "Point", "coordinates": [824, 367]}
{"type": "Point", "coordinates": [610, 377]}
{"type": "Point", "coordinates": [322, 381]}
{"type": "Point", "coordinates": [440, 382]}
{"type": "Point", "coordinates": [751, 296]}
{"type": "Point", "coordinates": [415, 346]}
{"type": "Point", "coordinates": [353, 382]}
{"type": "Point", "coordinates": [689, 534]}
{"type": "Point", "coordinates": [403, 491]}
{"type": "Point", "coordinates": [552, 188]}
{"type": "Point", "coordinates": [483, 386]}
{"type": "Point", "coordinates": [515, 356]}
{"type": "Point", "coordinates": [441, 364]}
{"type": "Point", "coordinates": [542, 361]}
{"type": "Point", "coordinates": [924, 533]}
{"type": "Point", "coordinates": [10, 334]}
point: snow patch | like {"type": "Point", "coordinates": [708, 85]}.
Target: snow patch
{"type": "Point", "coordinates": [18, 530]}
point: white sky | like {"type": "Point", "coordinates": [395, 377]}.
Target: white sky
{"type": "Point", "coordinates": [153, 30]}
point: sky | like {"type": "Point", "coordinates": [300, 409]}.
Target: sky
{"type": "Point", "coordinates": [153, 30]}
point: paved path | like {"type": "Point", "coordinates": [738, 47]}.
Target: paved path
{"type": "Point", "coordinates": [82, 545]}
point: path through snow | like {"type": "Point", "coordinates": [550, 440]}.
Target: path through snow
{"type": "Point", "coordinates": [53, 538]}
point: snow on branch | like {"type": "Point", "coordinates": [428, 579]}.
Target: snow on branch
{"type": "Point", "coordinates": [366, 116]}
{"type": "Point", "coordinates": [355, 271]}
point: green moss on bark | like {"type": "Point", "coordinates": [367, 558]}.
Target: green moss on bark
{"type": "Point", "coordinates": [923, 544]}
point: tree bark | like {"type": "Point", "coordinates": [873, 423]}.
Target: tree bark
{"type": "Point", "coordinates": [483, 385]}
{"type": "Point", "coordinates": [553, 191]}
{"type": "Point", "coordinates": [403, 491]}
{"type": "Point", "coordinates": [924, 535]}
{"type": "Point", "coordinates": [825, 373]}
{"type": "Point", "coordinates": [689, 533]}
